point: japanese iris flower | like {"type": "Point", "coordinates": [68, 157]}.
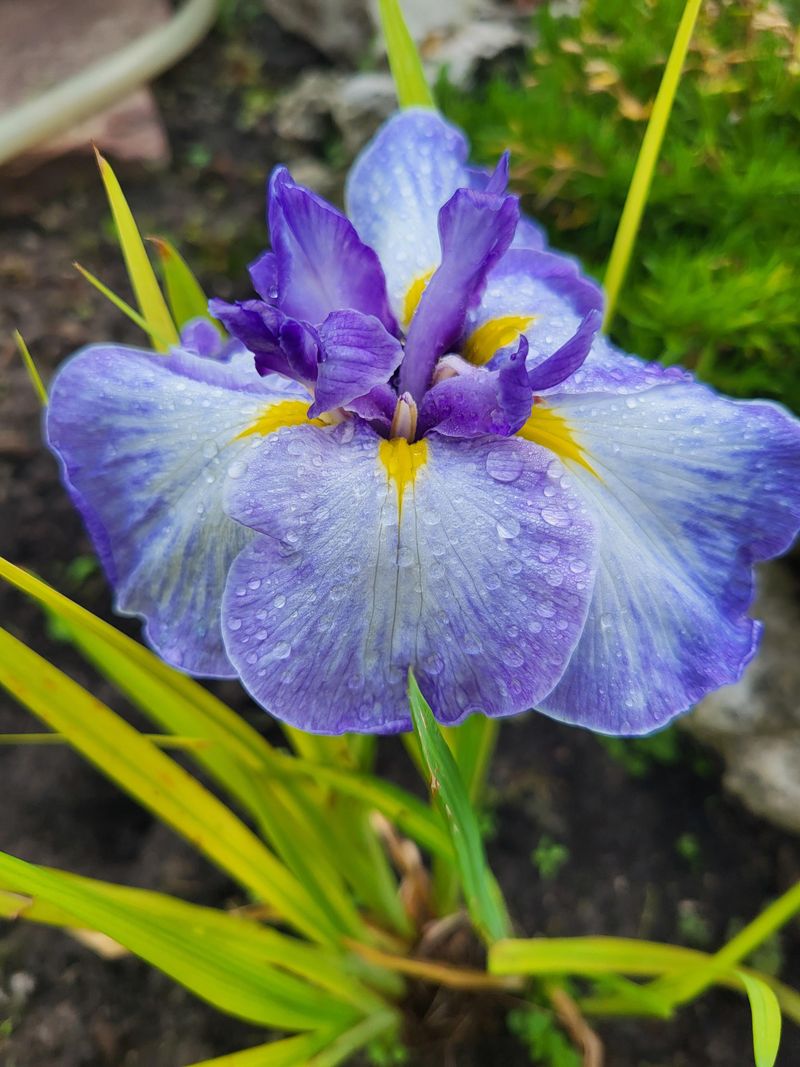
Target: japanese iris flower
{"type": "Point", "coordinates": [419, 453]}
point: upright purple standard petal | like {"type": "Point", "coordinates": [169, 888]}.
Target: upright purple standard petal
{"type": "Point", "coordinates": [465, 559]}
{"type": "Point", "coordinates": [475, 230]}
{"type": "Point", "coordinates": [396, 188]}
{"type": "Point", "coordinates": [358, 353]}
{"type": "Point", "coordinates": [146, 442]}
{"type": "Point", "coordinates": [690, 490]}
{"type": "Point", "coordinates": [320, 263]}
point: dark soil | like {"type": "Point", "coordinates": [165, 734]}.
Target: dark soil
{"type": "Point", "coordinates": [663, 856]}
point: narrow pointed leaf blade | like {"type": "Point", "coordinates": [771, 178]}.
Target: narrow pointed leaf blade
{"type": "Point", "coordinates": [253, 989]}
{"type": "Point", "coordinates": [31, 368]}
{"type": "Point", "coordinates": [186, 298]}
{"type": "Point", "coordinates": [157, 782]}
{"type": "Point", "coordinates": [766, 1014]}
{"type": "Point", "coordinates": [288, 1052]}
{"type": "Point", "coordinates": [140, 271]}
{"type": "Point", "coordinates": [482, 895]}
{"type": "Point", "coordinates": [404, 59]}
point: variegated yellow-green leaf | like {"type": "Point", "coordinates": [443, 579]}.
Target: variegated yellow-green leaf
{"type": "Point", "coordinates": [227, 967]}
{"type": "Point", "coordinates": [186, 298]}
{"type": "Point", "coordinates": [158, 783]}
{"type": "Point", "coordinates": [288, 1052]}
{"type": "Point", "coordinates": [140, 271]}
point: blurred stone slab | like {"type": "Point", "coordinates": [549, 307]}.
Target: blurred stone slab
{"type": "Point", "coordinates": [755, 724]}
{"type": "Point", "coordinates": [43, 42]}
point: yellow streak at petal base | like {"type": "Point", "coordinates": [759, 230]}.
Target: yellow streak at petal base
{"type": "Point", "coordinates": [414, 295]}
{"type": "Point", "coordinates": [493, 335]}
{"type": "Point", "coordinates": [401, 461]}
{"type": "Point", "coordinates": [547, 428]}
{"type": "Point", "coordinates": [276, 416]}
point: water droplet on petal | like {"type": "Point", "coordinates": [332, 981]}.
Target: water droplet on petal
{"type": "Point", "coordinates": [554, 516]}
{"type": "Point", "coordinates": [508, 528]}
{"type": "Point", "coordinates": [504, 464]}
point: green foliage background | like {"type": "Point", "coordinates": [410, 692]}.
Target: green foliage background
{"type": "Point", "coordinates": [713, 281]}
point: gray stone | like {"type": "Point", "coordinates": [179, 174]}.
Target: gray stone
{"type": "Point", "coordinates": [478, 42]}
{"type": "Point", "coordinates": [341, 29]}
{"type": "Point", "coordinates": [755, 724]}
{"type": "Point", "coordinates": [320, 102]}
{"type": "Point", "coordinates": [346, 30]}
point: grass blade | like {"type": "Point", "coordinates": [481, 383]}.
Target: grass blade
{"type": "Point", "coordinates": [248, 986]}
{"type": "Point", "coordinates": [157, 782]}
{"type": "Point", "coordinates": [401, 808]}
{"type": "Point", "coordinates": [31, 368]}
{"type": "Point", "coordinates": [593, 956]}
{"type": "Point", "coordinates": [690, 984]}
{"type": "Point", "coordinates": [482, 896]}
{"type": "Point", "coordinates": [140, 271]}
{"type": "Point", "coordinates": [289, 1052]}
{"type": "Point", "coordinates": [404, 60]}
{"type": "Point", "coordinates": [186, 298]}
{"type": "Point", "coordinates": [645, 165]}
{"type": "Point", "coordinates": [766, 1014]}
{"type": "Point", "coordinates": [120, 304]}
{"type": "Point", "coordinates": [472, 744]}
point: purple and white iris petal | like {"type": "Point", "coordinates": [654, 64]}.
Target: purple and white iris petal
{"type": "Point", "coordinates": [263, 273]}
{"type": "Point", "coordinates": [607, 369]}
{"type": "Point", "coordinates": [396, 188]}
{"type": "Point", "coordinates": [566, 360]}
{"type": "Point", "coordinates": [202, 337]}
{"type": "Point", "coordinates": [358, 353]}
{"type": "Point", "coordinates": [479, 576]}
{"type": "Point", "coordinates": [475, 230]}
{"type": "Point", "coordinates": [474, 401]}
{"type": "Point", "coordinates": [528, 234]}
{"type": "Point", "coordinates": [546, 288]}
{"type": "Point", "coordinates": [377, 406]}
{"type": "Point", "coordinates": [321, 265]}
{"type": "Point", "coordinates": [690, 489]}
{"type": "Point", "coordinates": [281, 345]}
{"type": "Point", "coordinates": [145, 442]}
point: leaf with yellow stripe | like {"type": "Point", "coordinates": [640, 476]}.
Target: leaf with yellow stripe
{"type": "Point", "coordinates": [242, 972]}
{"type": "Point", "coordinates": [158, 783]}
{"type": "Point", "coordinates": [140, 271]}
{"type": "Point", "coordinates": [186, 298]}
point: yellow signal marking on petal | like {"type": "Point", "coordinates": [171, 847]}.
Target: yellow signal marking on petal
{"type": "Point", "coordinates": [493, 335]}
{"type": "Point", "coordinates": [547, 428]}
{"type": "Point", "coordinates": [414, 295]}
{"type": "Point", "coordinates": [276, 416]}
{"type": "Point", "coordinates": [402, 460]}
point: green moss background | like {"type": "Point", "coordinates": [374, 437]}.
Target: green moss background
{"type": "Point", "coordinates": [713, 283]}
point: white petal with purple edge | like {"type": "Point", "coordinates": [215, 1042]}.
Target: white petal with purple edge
{"type": "Point", "coordinates": [542, 290]}
{"type": "Point", "coordinates": [146, 442]}
{"type": "Point", "coordinates": [479, 579]}
{"type": "Point", "coordinates": [689, 490]}
{"type": "Point", "coordinates": [395, 189]}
